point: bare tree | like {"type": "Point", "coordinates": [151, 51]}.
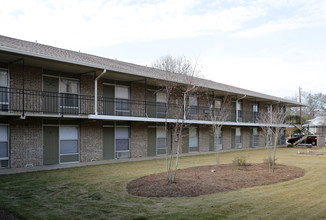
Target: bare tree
{"type": "Point", "coordinates": [272, 122]}
{"type": "Point", "coordinates": [316, 104]}
{"type": "Point", "coordinates": [176, 70]}
{"type": "Point", "coordinates": [219, 112]}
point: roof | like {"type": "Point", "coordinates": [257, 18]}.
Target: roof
{"type": "Point", "coordinates": [318, 121]}
{"type": "Point", "coordinates": [37, 50]}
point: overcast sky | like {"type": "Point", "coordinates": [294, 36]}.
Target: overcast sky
{"type": "Point", "coordinates": [270, 46]}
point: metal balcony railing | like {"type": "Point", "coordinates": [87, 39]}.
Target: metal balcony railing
{"type": "Point", "coordinates": [43, 102]}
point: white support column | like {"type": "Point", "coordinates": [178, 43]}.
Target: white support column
{"type": "Point", "coordinates": [95, 92]}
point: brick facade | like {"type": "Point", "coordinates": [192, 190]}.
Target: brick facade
{"type": "Point", "coordinates": [26, 139]}
{"type": "Point", "coordinates": [138, 139]}
{"type": "Point", "coordinates": [26, 143]}
{"type": "Point", "coordinates": [91, 141]}
{"type": "Point", "coordinates": [226, 138]}
{"type": "Point", "coordinates": [246, 136]}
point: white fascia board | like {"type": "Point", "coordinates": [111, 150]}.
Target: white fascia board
{"type": "Point", "coordinates": [170, 120]}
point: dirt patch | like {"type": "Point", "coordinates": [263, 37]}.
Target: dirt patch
{"type": "Point", "coordinates": [7, 215]}
{"type": "Point", "coordinates": [196, 181]}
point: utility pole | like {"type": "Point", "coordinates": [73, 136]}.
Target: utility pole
{"type": "Point", "coordinates": [300, 108]}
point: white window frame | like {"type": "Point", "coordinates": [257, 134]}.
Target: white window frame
{"type": "Point", "coordinates": [238, 133]}
{"type": "Point", "coordinates": [121, 152]}
{"type": "Point", "coordinates": [193, 104]}
{"type": "Point", "coordinates": [78, 144]}
{"type": "Point", "coordinates": [7, 87]}
{"type": "Point", "coordinates": [161, 100]}
{"type": "Point", "coordinates": [191, 129]}
{"type": "Point", "coordinates": [165, 142]}
{"type": "Point", "coordinates": [116, 87]}
{"type": "Point", "coordinates": [77, 94]}
{"type": "Point", "coordinates": [5, 141]}
{"type": "Point", "coordinates": [255, 134]}
{"type": "Point", "coordinates": [217, 141]}
{"type": "Point", "coordinates": [217, 103]}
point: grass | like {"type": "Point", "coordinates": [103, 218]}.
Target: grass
{"type": "Point", "coordinates": [99, 192]}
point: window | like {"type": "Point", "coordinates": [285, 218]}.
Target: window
{"type": "Point", "coordinates": [218, 104]}
{"type": "Point", "coordinates": [193, 139]}
{"type": "Point", "coordinates": [255, 137]}
{"type": "Point", "coordinates": [255, 111]}
{"type": "Point", "coordinates": [69, 90]}
{"type": "Point", "coordinates": [4, 146]}
{"type": "Point", "coordinates": [218, 141]}
{"type": "Point", "coordinates": [193, 105]}
{"type": "Point", "coordinates": [122, 98]}
{"type": "Point", "coordinates": [238, 138]}
{"type": "Point", "coordinates": [160, 140]}
{"type": "Point", "coordinates": [4, 90]}
{"type": "Point", "coordinates": [239, 109]}
{"type": "Point", "coordinates": [122, 142]}
{"type": "Point", "coordinates": [69, 144]}
{"type": "Point", "coordinates": [161, 103]}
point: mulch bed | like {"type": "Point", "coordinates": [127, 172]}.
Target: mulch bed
{"type": "Point", "coordinates": [196, 181]}
{"type": "Point", "coordinates": [7, 215]}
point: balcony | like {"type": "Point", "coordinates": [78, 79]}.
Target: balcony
{"type": "Point", "coordinates": [42, 103]}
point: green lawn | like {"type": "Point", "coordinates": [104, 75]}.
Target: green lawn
{"type": "Point", "coordinates": [99, 192]}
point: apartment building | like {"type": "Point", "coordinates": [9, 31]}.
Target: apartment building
{"type": "Point", "coordinates": [61, 106]}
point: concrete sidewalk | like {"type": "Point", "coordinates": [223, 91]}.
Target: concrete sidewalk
{"type": "Point", "coordinates": [9, 171]}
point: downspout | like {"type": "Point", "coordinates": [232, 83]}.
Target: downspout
{"type": "Point", "coordinates": [236, 107]}
{"type": "Point", "coordinates": [95, 92]}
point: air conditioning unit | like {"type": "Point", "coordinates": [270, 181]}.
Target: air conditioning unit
{"type": "Point", "coordinates": [122, 155]}
{"type": "Point", "coordinates": [4, 163]}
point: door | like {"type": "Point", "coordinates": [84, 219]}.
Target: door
{"type": "Point", "coordinates": [185, 140]}
{"type": "Point", "coordinates": [108, 143]}
{"type": "Point", "coordinates": [151, 104]}
{"type": "Point", "coordinates": [151, 141]}
{"type": "Point", "coordinates": [233, 138]}
{"type": "Point", "coordinates": [50, 95]}
{"type": "Point", "coordinates": [50, 145]}
{"type": "Point", "coordinates": [108, 99]}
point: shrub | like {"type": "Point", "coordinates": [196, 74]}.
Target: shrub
{"type": "Point", "coordinates": [290, 145]}
{"type": "Point", "coordinates": [240, 161]}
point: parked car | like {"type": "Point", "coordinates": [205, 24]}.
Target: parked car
{"type": "Point", "coordinates": [309, 140]}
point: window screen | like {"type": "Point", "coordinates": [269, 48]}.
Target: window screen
{"type": "Point", "coordinates": [121, 92]}
{"type": "Point", "coordinates": [217, 104]}
{"type": "Point", "coordinates": [69, 86]}
{"type": "Point", "coordinates": [3, 78]}
{"type": "Point", "coordinates": [161, 97]}
{"type": "Point", "coordinates": [193, 105]}
{"type": "Point", "coordinates": [239, 105]}
{"type": "Point", "coordinates": [122, 138]}
{"type": "Point", "coordinates": [160, 138]}
{"type": "Point", "coordinates": [68, 140]}
{"type": "Point", "coordinates": [193, 101]}
{"type": "Point", "coordinates": [3, 141]}
{"type": "Point", "coordinates": [122, 98]}
{"type": "Point", "coordinates": [193, 137]}
{"type": "Point", "coordinates": [255, 107]}
{"type": "Point", "coordinates": [238, 135]}
{"type": "Point", "coordinates": [69, 90]}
